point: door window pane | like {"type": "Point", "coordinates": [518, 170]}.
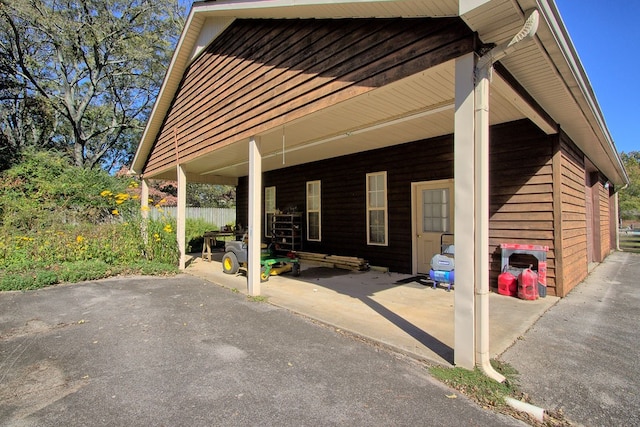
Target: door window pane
{"type": "Point", "coordinates": [435, 210]}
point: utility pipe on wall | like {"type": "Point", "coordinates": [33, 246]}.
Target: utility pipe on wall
{"type": "Point", "coordinates": [484, 68]}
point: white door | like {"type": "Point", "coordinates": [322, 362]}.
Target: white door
{"type": "Point", "coordinates": [433, 216]}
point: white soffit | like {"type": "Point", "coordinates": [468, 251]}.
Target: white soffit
{"type": "Point", "coordinates": [210, 29]}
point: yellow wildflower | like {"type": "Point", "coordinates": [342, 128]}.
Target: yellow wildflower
{"type": "Point", "coordinates": [115, 212]}
{"type": "Point", "coordinates": [167, 228]}
{"type": "Point", "coordinates": [79, 239]}
{"type": "Point", "coordinates": [144, 208]}
{"type": "Point", "coordinates": [106, 193]}
{"type": "Point", "coordinates": [133, 184]}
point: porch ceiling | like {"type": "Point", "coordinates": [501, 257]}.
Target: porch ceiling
{"type": "Point", "coordinates": [418, 107]}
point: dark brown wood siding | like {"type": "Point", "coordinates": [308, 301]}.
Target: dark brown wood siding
{"type": "Point", "coordinates": [343, 197]}
{"type": "Point", "coordinates": [573, 216]}
{"type": "Point", "coordinates": [260, 72]}
{"type": "Point", "coordinates": [521, 191]}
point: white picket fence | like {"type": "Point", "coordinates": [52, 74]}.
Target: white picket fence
{"type": "Point", "coordinates": [215, 216]}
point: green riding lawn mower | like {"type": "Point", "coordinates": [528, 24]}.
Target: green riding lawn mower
{"type": "Point", "coordinates": [236, 256]}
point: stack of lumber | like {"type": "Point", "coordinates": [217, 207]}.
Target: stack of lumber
{"type": "Point", "coordinates": [335, 261]}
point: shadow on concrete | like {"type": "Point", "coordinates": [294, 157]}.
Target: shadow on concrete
{"type": "Point", "coordinates": [364, 291]}
{"type": "Point", "coordinates": [424, 338]}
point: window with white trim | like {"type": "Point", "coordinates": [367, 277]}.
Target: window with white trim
{"type": "Point", "coordinates": [269, 210]}
{"type": "Point", "coordinates": [377, 228]}
{"type": "Point", "coordinates": [313, 211]}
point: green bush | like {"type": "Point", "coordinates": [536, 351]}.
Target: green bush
{"type": "Point", "coordinates": [60, 223]}
{"type": "Point", "coordinates": [45, 189]}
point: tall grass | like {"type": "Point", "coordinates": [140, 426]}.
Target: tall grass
{"type": "Point", "coordinates": [59, 223]}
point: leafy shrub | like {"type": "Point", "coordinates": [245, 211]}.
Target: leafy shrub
{"type": "Point", "coordinates": [60, 223]}
{"type": "Point", "coordinates": [45, 189]}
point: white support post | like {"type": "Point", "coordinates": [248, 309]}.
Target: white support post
{"type": "Point", "coordinates": [181, 215]}
{"type": "Point", "coordinates": [144, 208]}
{"type": "Point", "coordinates": [464, 217]}
{"type": "Point", "coordinates": [255, 223]}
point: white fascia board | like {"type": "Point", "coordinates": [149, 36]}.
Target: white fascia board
{"type": "Point", "coordinates": [154, 122]}
{"type": "Point", "coordinates": [197, 34]}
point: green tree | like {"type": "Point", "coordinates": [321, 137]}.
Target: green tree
{"type": "Point", "coordinates": [45, 190]}
{"type": "Point", "coordinates": [93, 66]}
{"type": "Point", "coordinates": [630, 196]}
{"type": "Point", "coordinates": [211, 196]}
{"type": "Point", "coordinates": [25, 120]}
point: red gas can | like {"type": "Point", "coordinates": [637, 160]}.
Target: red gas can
{"type": "Point", "coordinates": [528, 284]}
{"type": "Point", "coordinates": [507, 283]}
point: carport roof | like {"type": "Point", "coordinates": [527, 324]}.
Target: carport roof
{"type": "Point", "coordinates": [549, 69]}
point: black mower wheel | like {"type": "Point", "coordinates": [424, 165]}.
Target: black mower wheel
{"type": "Point", "coordinates": [230, 263]}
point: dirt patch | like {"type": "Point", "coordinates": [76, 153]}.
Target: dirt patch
{"type": "Point", "coordinates": [35, 387]}
{"type": "Point", "coordinates": [33, 326]}
{"type": "Point", "coordinates": [27, 389]}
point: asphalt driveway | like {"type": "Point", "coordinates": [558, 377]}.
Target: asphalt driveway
{"type": "Point", "coordinates": [583, 356]}
{"type": "Point", "coordinates": [146, 351]}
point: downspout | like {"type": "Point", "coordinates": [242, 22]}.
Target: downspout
{"type": "Point", "coordinates": [484, 69]}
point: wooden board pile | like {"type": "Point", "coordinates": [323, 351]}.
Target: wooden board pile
{"type": "Point", "coordinates": [335, 261]}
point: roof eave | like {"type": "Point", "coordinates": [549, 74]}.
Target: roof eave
{"type": "Point", "coordinates": [223, 13]}
{"type": "Point", "coordinates": [553, 17]}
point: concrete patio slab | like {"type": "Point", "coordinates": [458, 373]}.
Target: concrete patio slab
{"type": "Point", "coordinates": [388, 308]}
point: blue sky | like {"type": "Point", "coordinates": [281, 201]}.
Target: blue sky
{"type": "Point", "coordinates": [606, 35]}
